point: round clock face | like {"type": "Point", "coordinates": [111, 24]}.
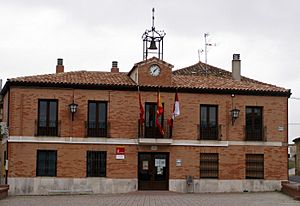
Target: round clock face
{"type": "Point", "coordinates": [154, 70]}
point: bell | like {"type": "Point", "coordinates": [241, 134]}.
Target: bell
{"type": "Point", "coordinates": [152, 45]}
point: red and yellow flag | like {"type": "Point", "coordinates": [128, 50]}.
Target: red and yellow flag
{"type": "Point", "coordinates": [159, 112]}
{"type": "Point", "coordinates": [141, 110]}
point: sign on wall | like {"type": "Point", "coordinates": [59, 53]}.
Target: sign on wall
{"type": "Point", "coordinates": [120, 153]}
{"type": "Point", "coordinates": [178, 162]}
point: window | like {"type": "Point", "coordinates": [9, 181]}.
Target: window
{"type": "Point", "coordinates": [254, 123]}
{"type": "Point", "coordinates": [209, 122]}
{"type": "Point", "coordinates": [97, 119]}
{"type": "Point", "coordinates": [254, 166]}
{"type": "Point", "coordinates": [151, 129]}
{"type": "Point", "coordinates": [46, 163]}
{"type": "Point", "coordinates": [209, 165]}
{"type": "Point", "coordinates": [47, 118]}
{"type": "Point", "coordinates": [96, 164]}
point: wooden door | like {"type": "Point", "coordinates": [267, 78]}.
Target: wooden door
{"type": "Point", "coordinates": [153, 171]}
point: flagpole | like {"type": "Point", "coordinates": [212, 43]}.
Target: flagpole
{"type": "Point", "coordinates": [159, 113]}
{"type": "Point", "coordinates": [174, 113]}
{"type": "Point", "coordinates": [141, 114]}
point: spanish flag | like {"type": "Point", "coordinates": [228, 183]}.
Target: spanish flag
{"type": "Point", "coordinates": [141, 110]}
{"type": "Point", "coordinates": [159, 112]}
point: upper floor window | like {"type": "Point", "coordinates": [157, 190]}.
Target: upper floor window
{"type": "Point", "coordinates": [96, 164]}
{"type": "Point", "coordinates": [97, 119]}
{"type": "Point", "coordinates": [151, 129]}
{"type": "Point", "coordinates": [254, 123]}
{"type": "Point", "coordinates": [47, 124]}
{"type": "Point", "coordinates": [209, 122]}
{"type": "Point", "coordinates": [46, 163]}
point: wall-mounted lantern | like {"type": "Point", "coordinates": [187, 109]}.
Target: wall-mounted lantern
{"type": "Point", "coordinates": [73, 109]}
{"type": "Point", "coordinates": [234, 114]}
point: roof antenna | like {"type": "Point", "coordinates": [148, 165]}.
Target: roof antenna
{"type": "Point", "coordinates": [206, 45]}
{"type": "Point", "coordinates": [206, 49]}
{"type": "Point", "coordinates": [200, 51]}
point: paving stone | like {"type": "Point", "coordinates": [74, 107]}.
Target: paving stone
{"type": "Point", "coordinates": [156, 198]}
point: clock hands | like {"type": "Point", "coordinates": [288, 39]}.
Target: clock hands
{"type": "Point", "coordinates": [154, 70]}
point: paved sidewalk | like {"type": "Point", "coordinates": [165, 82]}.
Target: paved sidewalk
{"type": "Point", "coordinates": [156, 199]}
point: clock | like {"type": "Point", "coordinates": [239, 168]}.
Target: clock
{"type": "Point", "coordinates": [154, 70]}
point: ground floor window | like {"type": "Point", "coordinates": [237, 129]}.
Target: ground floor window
{"type": "Point", "coordinates": [96, 164]}
{"type": "Point", "coordinates": [46, 163]}
{"type": "Point", "coordinates": [209, 165]}
{"type": "Point", "coordinates": [254, 166]}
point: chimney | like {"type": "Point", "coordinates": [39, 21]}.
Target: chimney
{"type": "Point", "coordinates": [59, 66]}
{"type": "Point", "coordinates": [114, 67]}
{"type": "Point", "coordinates": [236, 67]}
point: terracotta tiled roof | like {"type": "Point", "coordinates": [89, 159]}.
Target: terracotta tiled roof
{"type": "Point", "coordinates": [202, 69]}
{"type": "Point", "coordinates": [202, 75]}
{"type": "Point", "coordinates": [197, 76]}
{"type": "Point", "coordinates": [79, 77]}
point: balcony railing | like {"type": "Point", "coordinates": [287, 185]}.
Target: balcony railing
{"type": "Point", "coordinates": [257, 133]}
{"type": "Point", "coordinates": [96, 129]}
{"type": "Point", "coordinates": [153, 132]}
{"type": "Point", "coordinates": [50, 128]}
{"type": "Point", "coordinates": [209, 132]}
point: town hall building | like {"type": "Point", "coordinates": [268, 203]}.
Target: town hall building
{"type": "Point", "coordinates": [195, 129]}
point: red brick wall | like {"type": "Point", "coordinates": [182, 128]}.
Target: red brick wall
{"type": "Point", "coordinates": [71, 160]}
{"type": "Point", "coordinates": [231, 161]}
{"type": "Point", "coordinates": [123, 112]}
{"type": "Point", "coordinates": [145, 78]}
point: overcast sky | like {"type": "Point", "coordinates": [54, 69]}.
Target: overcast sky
{"type": "Point", "coordinates": [89, 35]}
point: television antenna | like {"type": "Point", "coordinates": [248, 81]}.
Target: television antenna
{"type": "Point", "coordinates": [200, 51]}
{"type": "Point", "coordinates": [207, 44]}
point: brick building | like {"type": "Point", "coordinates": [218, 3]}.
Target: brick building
{"type": "Point", "coordinates": [104, 148]}
{"type": "Point", "coordinates": [297, 155]}
{"type": "Point", "coordinates": [1, 102]}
